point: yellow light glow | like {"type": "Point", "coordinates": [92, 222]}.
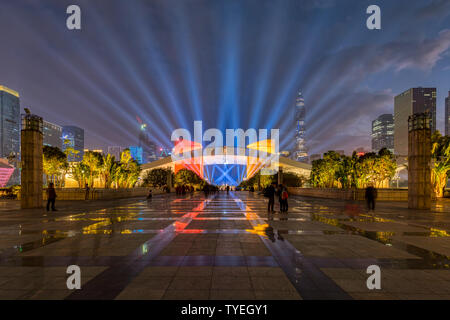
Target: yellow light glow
{"type": "Point", "coordinates": [10, 91]}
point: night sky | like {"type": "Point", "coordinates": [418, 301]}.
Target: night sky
{"type": "Point", "coordinates": [230, 63]}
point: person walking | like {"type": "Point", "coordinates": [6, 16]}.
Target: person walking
{"type": "Point", "coordinates": [371, 196]}
{"type": "Point", "coordinates": [51, 196]}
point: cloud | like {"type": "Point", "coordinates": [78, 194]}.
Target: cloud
{"type": "Point", "coordinates": [339, 111]}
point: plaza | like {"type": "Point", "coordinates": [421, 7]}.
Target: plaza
{"type": "Point", "coordinates": [224, 247]}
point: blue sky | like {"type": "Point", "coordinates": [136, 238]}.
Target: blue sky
{"type": "Point", "coordinates": [230, 63]}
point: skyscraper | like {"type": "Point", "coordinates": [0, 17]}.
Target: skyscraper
{"type": "Point", "coordinates": [115, 151]}
{"type": "Point", "coordinates": [148, 147]}
{"type": "Point", "coordinates": [383, 133]}
{"type": "Point", "coordinates": [10, 130]}
{"type": "Point", "coordinates": [414, 100]}
{"type": "Point", "coordinates": [9, 123]}
{"type": "Point", "coordinates": [136, 153]}
{"type": "Point", "coordinates": [299, 152]}
{"type": "Point", "coordinates": [447, 115]}
{"type": "Point", "coordinates": [75, 138]}
{"type": "Point", "coordinates": [52, 135]}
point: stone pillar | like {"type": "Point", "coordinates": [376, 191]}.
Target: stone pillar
{"type": "Point", "coordinates": [280, 176]}
{"type": "Point", "coordinates": [32, 170]}
{"type": "Point", "coordinates": [419, 161]}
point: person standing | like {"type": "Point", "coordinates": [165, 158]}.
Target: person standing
{"type": "Point", "coordinates": [278, 193]}
{"type": "Point", "coordinates": [371, 196]}
{"type": "Point", "coordinates": [284, 198]}
{"type": "Point", "coordinates": [86, 190]}
{"type": "Point", "coordinates": [270, 193]}
{"type": "Point", "coordinates": [51, 196]}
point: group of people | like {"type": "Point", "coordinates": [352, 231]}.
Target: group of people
{"type": "Point", "coordinates": [281, 192]}
{"type": "Point", "coordinates": [182, 190]}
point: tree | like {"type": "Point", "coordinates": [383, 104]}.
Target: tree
{"type": "Point", "coordinates": [157, 177]}
{"type": "Point", "coordinates": [79, 172]}
{"type": "Point", "coordinates": [341, 171]}
{"type": "Point", "coordinates": [69, 150]}
{"type": "Point", "coordinates": [440, 154]}
{"type": "Point", "coordinates": [126, 172]}
{"type": "Point", "coordinates": [107, 170]}
{"type": "Point", "coordinates": [187, 177]}
{"type": "Point", "coordinates": [54, 164]}
{"type": "Point", "coordinates": [93, 162]}
{"type": "Point", "coordinates": [291, 179]}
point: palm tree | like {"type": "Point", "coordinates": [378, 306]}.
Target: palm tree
{"type": "Point", "coordinates": [93, 161]}
{"type": "Point", "coordinates": [440, 154]}
{"type": "Point", "coordinates": [107, 170]}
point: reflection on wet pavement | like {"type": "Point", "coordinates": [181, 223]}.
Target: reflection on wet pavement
{"type": "Point", "coordinates": [226, 246]}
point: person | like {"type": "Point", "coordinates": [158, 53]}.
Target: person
{"type": "Point", "coordinates": [284, 198]}
{"type": "Point", "coordinates": [270, 193]}
{"type": "Point", "coordinates": [279, 192]}
{"type": "Point", "coordinates": [371, 195]}
{"type": "Point", "coordinates": [228, 189]}
{"type": "Point", "coordinates": [86, 188]}
{"type": "Point", "coordinates": [51, 196]}
{"type": "Point", "coordinates": [150, 195]}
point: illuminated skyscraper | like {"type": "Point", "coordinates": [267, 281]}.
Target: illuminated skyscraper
{"type": "Point", "coordinates": [149, 153]}
{"type": "Point", "coordinates": [383, 133]}
{"type": "Point", "coordinates": [299, 152]}
{"type": "Point", "coordinates": [115, 151]}
{"type": "Point", "coordinates": [52, 135]}
{"type": "Point", "coordinates": [447, 115]}
{"type": "Point", "coordinates": [414, 100]}
{"type": "Point", "coordinates": [75, 138]}
{"type": "Point", "coordinates": [9, 122]}
{"type": "Point", "coordinates": [10, 130]}
{"type": "Point", "coordinates": [136, 153]}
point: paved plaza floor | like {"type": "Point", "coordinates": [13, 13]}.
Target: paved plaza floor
{"type": "Point", "coordinates": [225, 246]}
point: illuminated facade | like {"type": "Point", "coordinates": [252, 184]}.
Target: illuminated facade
{"type": "Point", "coordinates": [149, 148]}
{"type": "Point", "coordinates": [75, 138]}
{"type": "Point", "coordinates": [10, 132]}
{"type": "Point", "coordinates": [414, 100]}
{"type": "Point", "coordinates": [52, 135]}
{"type": "Point", "coordinates": [136, 153]}
{"type": "Point", "coordinates": [299, 152]}
{"type": "Point", "coordinates": [9, 122]}
{"type": "Point", "coordinates": [447, 115]}
{"type": "Point", "coordinates": [383, 133]}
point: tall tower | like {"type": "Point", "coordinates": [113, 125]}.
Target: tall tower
{"type": "Point", "coordinates": [10, 130]}
{"type": "Point", "coordinates": [447, 115]}
{"type": "Point", "coordinates": [299, 152]}
{"type": "Point", "coordinates": [414, 100]}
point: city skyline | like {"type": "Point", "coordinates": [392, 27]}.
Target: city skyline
{"type": "Point", "coordinates": [220, 69]}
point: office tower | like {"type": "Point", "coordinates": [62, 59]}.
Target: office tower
{"type": "Point", "coordinates": [447, 115]}
{"type": "Point", "coordinates": [149, 152]}
{"type": "Point", "coordinates": [73, 137]}
{"type": "Point", "coordinates": [299, 152]}
{"type": "Point", "coordinates": [136, 153]}
{"type": "Point", "coordinates": [10, 131]}
{"type": "Point", "coordinates": [414, 100]}
{"type": "Point", "coordinates": [9, 123]}
{"type": "Point", "coordinates": [383, 133]}
{"type": "Point", "coordinates": [52, 135]}
{"type": "Point", "coordinates": [115, 151]}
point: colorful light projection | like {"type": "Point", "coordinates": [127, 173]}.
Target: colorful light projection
{"type": "Point", "coordinates": [224, 169]}
{"type": "Point", "coordinates": [6, 172]}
